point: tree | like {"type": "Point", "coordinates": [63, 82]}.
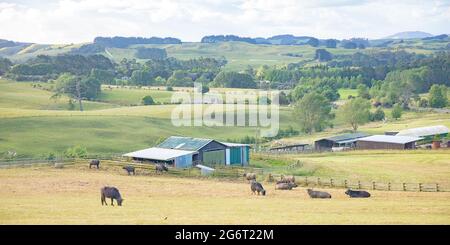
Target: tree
{"type": "Point", "coordinates": [180, 78]}
{"type": "Point", "coordinates": [141, 77]}
{"type": "Point", "coordinates": [363, 91]}
{"type": "Point", "coordinates": [313, 112]}
{"type": "Point", "coordinates": [378, 115]}
{"type": "Point", "coordinates": [5, 64]}
{"type": "Point", "coordinates": [151, 53]}
{"type": "Point", "coordinates": [233, 79]}
{"type": "Point", "coordinates": [397, 111]}
{"type": "Point", "coordinates": [356, 112]}
{"type": "Point", "coordinates": [148, 100]}
{"type": "Point", "coordinates": [104, 76]}
{"type": "Point", "coordinates": [76, 87]}
{"type": "Point", "coordinates": [330, 43]}
{"type": "Point", "coordinates": [323, 55]}
{"type": "Point", "coordinates": [438, 96]}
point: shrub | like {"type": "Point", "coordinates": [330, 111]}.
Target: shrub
{"type": "Point", "coordinates": [397, 111]}
{"type": "Point", "coordinates": [148, 100]}
{"type": "Point", "coordinates": [76, 152]}
{"type": "Point", "coordinates": [378, 115]}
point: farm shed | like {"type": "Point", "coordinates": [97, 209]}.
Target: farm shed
{"type": "Point", "coordinates": [237, 154]}
{"type": "Point", "coordinates": [208, 151]}
{"type": "Point", "coordinates": [343, 140]}
{"type": "Point", "coordinates": [176, 158]}
{"type": "Point", "coordinates": [427, 133]}
{"type": "Point", "coordinates": [387, 142]}
{"type": "Point", "coordinates": [287, 148]}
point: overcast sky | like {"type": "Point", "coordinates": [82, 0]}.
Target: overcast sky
{"type": "Point", "coordinates": [75, 21]}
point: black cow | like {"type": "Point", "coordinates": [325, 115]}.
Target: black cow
{"type": "Point", "coordinates": [318, 194]}
{"type": "Point", "coordinates": [161, 168]}
{"type": "Point", "coordinates": [94, 162]}
{"type": "Point", "coordinates": [285, 186]}
{"type": "Point", "coordinates": [357, 194]}
{"type": "Point", "coordinates": [257, 187]}
{"type": "Point", "coordinates": [110, 192]}
{"type": "Point", "coordinates": [129, 169]}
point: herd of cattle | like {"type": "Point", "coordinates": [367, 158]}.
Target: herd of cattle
{"type": "Point", "coordinates": [288, 183]}
{"type": "Point", "coordinates": [285, 183]}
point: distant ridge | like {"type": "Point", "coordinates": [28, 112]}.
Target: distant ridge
{"type": "Point", "coordinates": [409, 35]}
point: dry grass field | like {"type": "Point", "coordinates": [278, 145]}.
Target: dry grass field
{"type": "Point", "coordinates": [45, 195]}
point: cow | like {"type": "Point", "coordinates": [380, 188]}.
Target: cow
{"type": "Point", "coordinates": [318, 194]}
{"type": "Point", "coordinates": [250, 176]}
{"type": "Point", "coordinates": [160, 168]}
{"type": "Point", "coordinates": [285, 186]}
{"type": "Point", "coordinates": [357, 194]}
{"type": "Point", "coordinates": [286, 179]}
{"type": "Point", "coordinates": [110, 192]}
{"type": "Point", "coordinates": [94, 162]}
{"type": "Point", "coordinates": [129, 169]}
{"type": "Point", "coordinates": [257, 187]}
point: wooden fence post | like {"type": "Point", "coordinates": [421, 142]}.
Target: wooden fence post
{"type": "Point", "coordinates": [420, 186]}
{"type": "Point", "coordinates": [404, 186]}
{"type": "Point", "coordinates": [373, 185]}
{"type": "Point", "coordinates": [359, 184]}
{"type": "Point", "coordinates": [345, 183]}
{"type": "Point", "coordinates": [437, 187]}
{"type": "Point", "coordinates": [331, 182]}
{"type": "Point", "coordinates": [318, 181]}
{"type": "Point", "coordinates": [389, 186]}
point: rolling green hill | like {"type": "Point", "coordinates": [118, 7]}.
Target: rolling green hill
{"type": "Point", "coordinates": [239, 54]}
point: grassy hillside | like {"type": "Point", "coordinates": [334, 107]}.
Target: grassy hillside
{"type": "Point", "coordinates": [32, 124]}
{"type": "Point", "coordinates": [23, 95]}
{"type": "Point", "coordinates": [71, 196]}
{"type": "Point", "coordinates": [239, 54]}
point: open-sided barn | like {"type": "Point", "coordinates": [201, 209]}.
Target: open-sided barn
{"type": "Point", "coordinates": [184, 152]}
{"type": "Point", "coordinates": [387, 142]}
{"type": "Point", "coordinates": [343, 140]}
{"type": "Point", "coordinates": [175, 158]}
{"type": "Point", "coordinates": [427, 133]}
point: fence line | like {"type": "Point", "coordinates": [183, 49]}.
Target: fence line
{"type": "Point", "coordinates": [236, 172]}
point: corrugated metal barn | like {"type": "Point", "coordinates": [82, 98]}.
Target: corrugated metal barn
{"type": "Point", "coordinates": [209, 151]}
{"type": "Point", "coordinates": [182, 152]}
{"type": "Point", "coordinates": [343, 140]}
{"type": "Point", "coordinates": [427, 133]}
{"type": "Point", "coordinates": [387, 142]}
{"type": "Point", "coordinates": [175, 158]}
{"type": "Point", "coordinates": [237, 154]}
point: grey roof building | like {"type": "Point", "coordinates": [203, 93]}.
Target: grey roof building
{"type": "Point", "coordinates": [342, 140]}
{"type": "Point", "coordinates": [387, 142]}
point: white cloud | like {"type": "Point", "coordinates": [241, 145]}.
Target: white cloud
{"type": "Point", "coordinates": [66, 21]}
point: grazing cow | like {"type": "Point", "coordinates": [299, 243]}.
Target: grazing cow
{"type": "Point", "coordinates": [257, 187]}
{"type": "Point", "coordinates": [286, 179]}
{"type": "Point", "coordinates": [285, 186]}
{"type": "Point", "coordinates": [318, 194]}
{"type": "Point", "coordinates": [357, 194]}
{"type": "Point", "coordinates": [129, 169]}
{"type": "Point", "coordinates": [250, 176]}
{"type": "Point", "coordinates": [110, 192]}
{"type": "Point", "coordinates": [160, 168]}
{"type": "Point", "coordinates": [94, 162]}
